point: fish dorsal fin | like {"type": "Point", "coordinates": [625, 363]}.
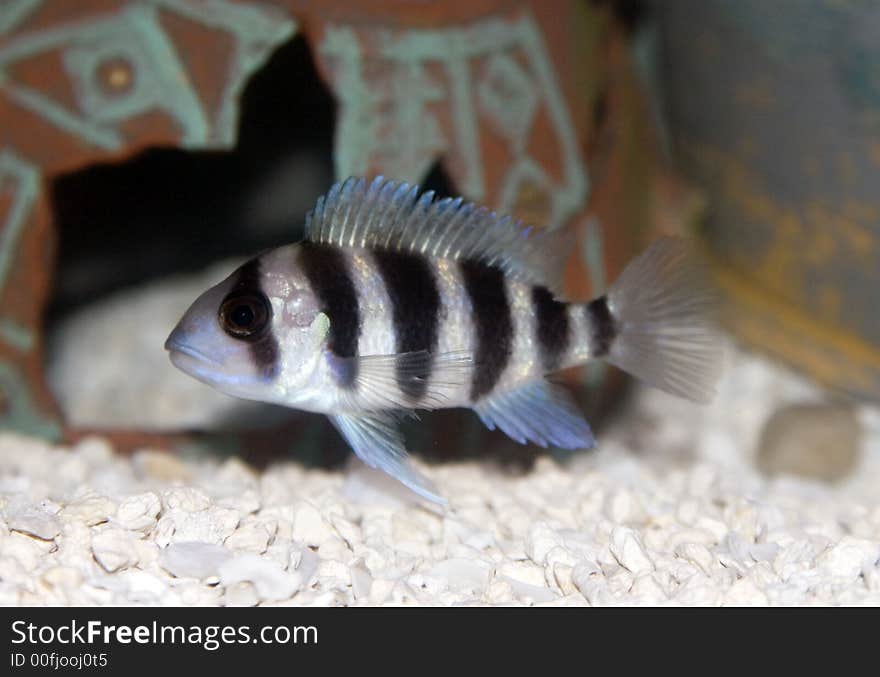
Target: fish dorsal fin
{"type": "Point", "coordinates": [391, 214]}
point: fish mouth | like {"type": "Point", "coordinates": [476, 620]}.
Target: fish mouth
{"type": "Point", "coordinates": [194, 363]}
{"type": "Point", "coordinates": [178, 349]}
{"type": "Point", "coordinates": [181, 353]}
{"type": "Point", "coordinates": [203, 367]}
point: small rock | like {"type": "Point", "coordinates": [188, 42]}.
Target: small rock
{"type": "Point", "coordinates": [592, 585]}
{"type": "Point", "coordinates": [242, 594]}
{"type": "Point", "coordinates": [193, 559]}
{"type": "Point", "coordinates": [622, 507]}
{"type": "Point", "coordinates": [499, 592]}
{"type": "Point", "coordinates": [350, 533]}
{"type": "Point", "coordinates": [523, 572]}
{"type": "Point", "coordinates": [562, 578]}
{"type": "Point", "coordinates": [648, 590]}
{"type": "Point", "coordinates": [138, 513]}
{"type": "Point", "coordinates": [34, 523]}
{"type": "Point", "coordinates": [160, 465]}
{"type": "Point", "coordinates": [63, 577]}
{"type": "Point", "coordinates": [309, 527]}
{"type": "Point", "coordinates": [334, 548]}
{"type": "Point", "coordinates": [113, 550]}
{"type": "Point", "coordinates": [745, 593]}
{"type": "Point", "coordinates": [531, 594]}
{"type": "Point", "coordinates": [28, 552]}
{"type": "Point", "coordinates": [142, 586]}
{"type": "Point", "coordinates": [185, 498]}
{"type": "Point", "coordinates": [540, 541]}
{"type": "Point", "coordinates": [95, 450]}
{"type": "Point", "coordinates": [717, 528]}
{"type": "Point", "coordinates": [847, 559]}
{"type": "Point", "coordinates": [628, 550]}
{"type": "Point", "coordinates": [463, 575]}
{"type": "Point", "coordinates": [620, 582]}
{"type": "Point", "coordinates": [90, 510]}
{"type": "Point", "coordinates": [246, 502]}
{"type": "Point", "coordinates": [270, 580]}
{"type": "Point", "coordinates": [698, 554]}
{"type": "Point", "coordinates": [361, 580]}
{"type": "Point", "coordinates": [332, 575]}
{"type": "Point", "coordinates": [820, 441]}
{"type": "Point", "coordinates": [305, 562]}
{"type": "Point", "coordinates": [214, 525]}
{"type": "Point", "coordinates": [251, 536]}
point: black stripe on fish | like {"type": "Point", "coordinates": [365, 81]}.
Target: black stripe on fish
{"type": "Point", "coordinates": [263, 349]}
{"type": "Point", "coordinates": [601, 326]}
{"type": "Point", "coordinates": [327, 271]}
{"type": "Point", "coordinates": [551, 327]}
{"type": "Point", "coordinates": [415, 310]}
{"type": "Point", "coordinates": [493, 324]}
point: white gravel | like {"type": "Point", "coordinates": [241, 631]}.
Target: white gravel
{"type": "Point", "coordinates": [670, 510]}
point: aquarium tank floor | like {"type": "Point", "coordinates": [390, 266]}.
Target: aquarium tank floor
{"type": "Point", "coordinates": [679, 505]}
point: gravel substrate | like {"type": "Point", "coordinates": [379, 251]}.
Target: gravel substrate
{"type": "Point", "coordinates": [670, 510]}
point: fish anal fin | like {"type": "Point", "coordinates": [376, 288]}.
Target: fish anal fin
{"type": "Point", "coordinates": [539, 412]}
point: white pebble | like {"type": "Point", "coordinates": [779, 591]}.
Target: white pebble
{"type": "Point", "coordinates": [623, 507]}
{"type": "Point", "coordinates": [647, 590]}
{"type": "Point", "coordinates": [524, 572]}
{"type": "Point", "coordinates": [138, 512]}
{"type": "Point", "coordinates": [361, 580]}
{"type": "Point", "coordinates": [113, 549]}
{"type": "Point", "coordinates": [94, 450]}
{"type": "Point", "coordinates": [464, 575]}
{"type": "Point", "coordinates": [628, 550]}
{"type": "Point", "coordinates": [251, 536]}
{"type": "Point", "coordinates": [194, 560]}
{"type": "Point", "coordinates": [562, 578]}
{"type": "Point", "coordinates": [306, 563]}
{"type": "Point", "coordinates": [242, 593]}
{"type": "Point", "coordinates": [540, 541]}
{"type": "Point", "coordinates": [848, 558]}
{"type": "Point", "coordinates": [745, 593]}
{"type": "Point", "coordinates": [269, 580]}
{"type": "Point", "coordinates": [189, 499]}
{"type": "Point", "coordinates": [160, 465]}
{"type": "Point", "coordinates": [213, 525]}
{"type": "Point", "coordinates": [500, 591]}
{"type": "Point", "coordinates": [698, 554]}
{"type": "Point", "coordinates": [89, 510]}
{"type": "Point", "coordinates": [34, 523]}
{"type": "Point", "coordinates": [309, 527]}
{"type": "Point", "coordinates": [531, 594]}
{"type": "Point", "coordinates": [27, 551]}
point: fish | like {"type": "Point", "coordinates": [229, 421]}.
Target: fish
{"type": "Point", "coordinates": [395, 301]}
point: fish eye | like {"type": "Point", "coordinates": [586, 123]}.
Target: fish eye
{"type": "Point", "coordinates": [245, 314]}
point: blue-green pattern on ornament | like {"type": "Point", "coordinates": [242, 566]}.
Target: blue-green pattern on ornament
{"type": "Point", "coordinates": [134, 36]}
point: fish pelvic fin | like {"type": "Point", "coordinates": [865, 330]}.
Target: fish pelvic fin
{"type": "Point", "coordinates": [394, 215]}
{"type": "Point", "coordinates": [657, 322]}
{"type": "Point", "coordinates": [540, 412]}
{"type": "Point", "coordinates": [378, 442]}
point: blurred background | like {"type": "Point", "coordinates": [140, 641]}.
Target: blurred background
{"type": "Point", "coordinates": [148, 147]}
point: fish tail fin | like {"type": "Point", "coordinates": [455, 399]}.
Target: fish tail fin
{"type": "Point", "coordinates": [662, 332]}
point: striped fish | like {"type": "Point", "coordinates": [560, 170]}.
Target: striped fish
{"type": "Point", "coordinates": [395, 301]}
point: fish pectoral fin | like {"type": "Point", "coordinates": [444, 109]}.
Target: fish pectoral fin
{"type": "Point", "coordinates": [405, 380]}
{"type": "Point", "coordinates": [378, 442]}
{"type": "Point", "coordinates": [539, 412]}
